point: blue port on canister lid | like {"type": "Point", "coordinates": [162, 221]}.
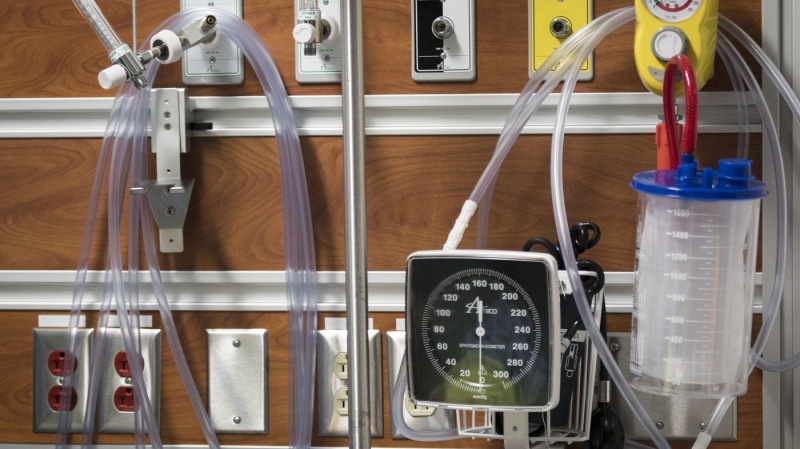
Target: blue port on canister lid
{"type": "Point", "coordinates": [731, 181]}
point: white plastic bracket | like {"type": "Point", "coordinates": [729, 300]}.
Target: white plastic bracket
{"type": "Point", "coordinates": [169, 194]}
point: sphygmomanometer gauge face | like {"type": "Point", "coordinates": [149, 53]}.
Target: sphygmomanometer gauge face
{"type": "Point", "coordinates": [481, 327]}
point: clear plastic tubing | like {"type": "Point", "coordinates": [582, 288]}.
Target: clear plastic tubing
{"type": "Point", "coordinates": [562, 228]}
{"type": "Point", "coordinates": [91, 12]}
{"type": "Point", "coordinates": [773, 306]}
{"type": "Point", "coordinates": [83, 260]}
{"type": "Point", "coordinates": [527, 104]}
{"type": "Point", "coordinates": [299, 252]}
{"type": "Point", "coordinates": [741, 104]}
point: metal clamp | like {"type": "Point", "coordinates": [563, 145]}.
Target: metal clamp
{"type": "Point", "coordinates": [169, 194]}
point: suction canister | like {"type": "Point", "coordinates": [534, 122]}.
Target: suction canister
{"type": "Point", "coordinates": [696, 245]}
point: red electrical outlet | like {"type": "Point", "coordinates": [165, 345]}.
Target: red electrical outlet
{"type": "Point", "coordinates": [54, 396]}
{"type": "Point", "coordinates": [123, 399]}
{"type": "Point", "coordinates": [121, 364]}
{"type": "Point", "coordinates": [56, 362]}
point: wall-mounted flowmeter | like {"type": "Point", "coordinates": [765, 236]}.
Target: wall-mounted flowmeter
{"type": "Point", "coordinates": [552, 22]}
{"type": "Point", "coordinates": [665, 28]}
{"type": "Point", "coordinates": [218, 62]}
{"type": "Point", "coordinates": [318, 52]}
{"type": "Point", "coordinates": [443, 35]}
{"type": "Point", "coordinates": [482, 330]}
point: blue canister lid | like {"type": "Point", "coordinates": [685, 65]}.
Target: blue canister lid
{"type": "Point", "coordinates": [731, 181]}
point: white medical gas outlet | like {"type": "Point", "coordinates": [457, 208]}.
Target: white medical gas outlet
{"type": "Point", "coordinates": [218, 62]}
{"type": "Point", "coordinates": [318, 47]}
{"type": "Point", "coordinates": [443, 40]}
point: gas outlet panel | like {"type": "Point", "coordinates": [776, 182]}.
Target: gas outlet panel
{"type": "Point", "coordinates": [443, 40]}
{"type": "Point", "coordinates": [115, 405]}
{"type": "Point", "coordinates": [49, 351]}
{"type": "Point", "coordinates": [550, 23]}
{"type": "Point", "coordinates": [325, 65]}
{"type": "Point", "coordinates": [218, 62]}
{"type": "Point", "coordinates": [419, 418]}
{"type": "Point", "coordinates": [333, 384]}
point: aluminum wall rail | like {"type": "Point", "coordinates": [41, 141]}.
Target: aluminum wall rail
{"type": "Point", "coordinates": [245, 291]}
{"type": "Point", "coordinates": [475, 114]}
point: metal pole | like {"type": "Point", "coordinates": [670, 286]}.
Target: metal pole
{"type": "Point", "coordinates": [355, 226]}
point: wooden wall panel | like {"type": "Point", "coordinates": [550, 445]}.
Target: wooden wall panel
{"type": "Point", "coordinates": [415, 188]}
{"type": "Point", "coordinates": [50, 52]}
{"type": "Point", "coordinates": [178, 424]}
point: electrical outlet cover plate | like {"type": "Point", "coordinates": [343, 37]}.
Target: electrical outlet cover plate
{"type": "Point", "coordinates": [218, 62]}
{"type": "Point", "coordinates": [441, 419]}
{"type": "Point", "coordinates": [331, 422]}
{"type": "Point", "coordinates": [326, 65]}
{"type": "Point", "coordinates": [448, 59]}
{"type": "Point", "coordinates": [542, 43]}
{"type": "Point", "coordinates": [238, 400]}
{"type": "Point", "coordinates": [109, 419]}
{"type": "Point", "coordinates": [45, 341]}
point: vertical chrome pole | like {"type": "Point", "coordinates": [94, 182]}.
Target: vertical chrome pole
{"type": "Point", "coordinates": [355, 225]}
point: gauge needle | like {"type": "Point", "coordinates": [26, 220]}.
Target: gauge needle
{"type": "Point", "coordinates": [480, 331]}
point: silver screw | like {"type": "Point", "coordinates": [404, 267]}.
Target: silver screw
{"type": "Point", "coordinates": [128, 380]}
{"type": "Point", "coordinates": [167, 115]}
{"type": "Point", "coordinates": [326, 57]}
{"type": "Point", "coordinates": [514, 428]}
{"type": "Point", "coordinates": [237, 420]}
{"type": "Point", "coordinates": [614, 346]}
{"type": "Point", "coordinates": [443, 55]}
{"type": "Point", "coordinates": [702, 426]}
{"type": "Point", "coordinates": [660, 425]}
{"type": "Point", "coordinates": [236, 344]}
{"type": "Point", "coordinates": [170, 210]}
{"type": "Point", "coordinates": [168, 127]}
{"type": "Point", "coordinates": [61, 380]}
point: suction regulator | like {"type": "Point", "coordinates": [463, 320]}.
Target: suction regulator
{"type": "Point", "coordinates": [665, 28]}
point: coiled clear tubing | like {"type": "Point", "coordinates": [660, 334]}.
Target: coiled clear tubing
{"type": "Point", "coordinates": [124, 153]}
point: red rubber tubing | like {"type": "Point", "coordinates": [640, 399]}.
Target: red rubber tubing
{"type": "Point", "coordinates": [690, 91]}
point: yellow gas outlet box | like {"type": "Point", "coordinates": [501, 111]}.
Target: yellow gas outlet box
{"type": "Point", "coordinates": [667, 27]}
{"type": "Point", "coordinates": [550, 22]}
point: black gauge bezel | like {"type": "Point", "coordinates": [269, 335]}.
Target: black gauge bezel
{"type": "Point", "coordinates": [536, 274]}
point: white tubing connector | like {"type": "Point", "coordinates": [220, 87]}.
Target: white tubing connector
{"type": "Point", "coordinates": [702, 442]}
{"type": "Point", "coordinates": [171, 45]}
{"type": "Point", "coordinates": [467, 210]}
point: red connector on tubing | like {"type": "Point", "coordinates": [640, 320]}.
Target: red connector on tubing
{"type": "Point", "coordinates": [690, 89]}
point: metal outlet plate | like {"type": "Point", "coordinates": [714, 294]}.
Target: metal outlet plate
{"type": "Point", "coordinates": [109, 419]}
{"type": "Point", "coordinates": [238, 400]}
{"type": "Point", "coordinates": [326, 65]}
{"type": "Point", "coordinates": [329, 344]}
{"type": "Point", "coordinates": [441, 419]}
{"type": "Point", "coordinates": [45, 341]}
{"type": "Point", "coordinates": [542, 41]}
{"type": "Point", "coordinates": [682, 418]}
{"type": "Point", "coordinates": [218, 62]}
{"type": "Point", "coordinates": [443, 59]}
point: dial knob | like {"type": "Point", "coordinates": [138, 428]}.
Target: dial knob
{"type": "Point", "coordinates": [668, 42]}
{"type": "Point", "coordinates": [304, 33]}
{"type": "Point", "coordinates": [112, 77]}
